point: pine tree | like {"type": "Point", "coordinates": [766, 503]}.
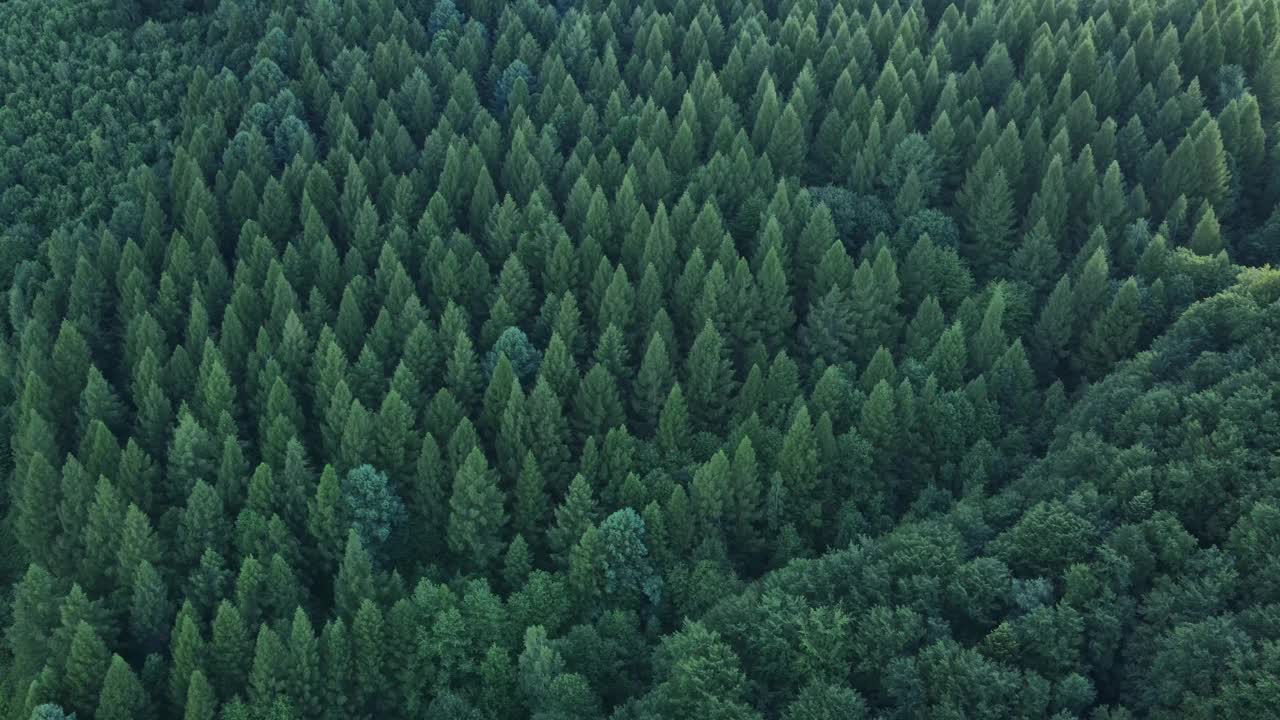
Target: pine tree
{"type": "Point", "coordinates": [150, 610]}
{"type": "Point", "coordinates": [787, 144]}
{"type": "Point", "coordinates": [516, 564]}
{"type": "Point", "coordinates": [572, 518]}
{"type": "Point", "coordinates": [949, 357]}
{"type": "Point", "coordinates": [69, 362]}
{"type": "Point", "coordinates": [394, 438]}
{"type": "Point", "coordinates": [354, 582]}
{"type": "Point", "coordinates": [1036, 260]}
{"type": "Point", "coordinates": [86, 665]}
{"type": "Point", "coordinates": [187, 651]}
{"type": "Point", "coordinates": [476, 515]}
{"type": "Point", "coordinates": [368, 656]}
{"type": "Point", "coordinates": [1052, 331]}
{"type": "Point", "coordinates": [462, 371]}
{"type": "Point", "coordinates": [1206, 239]}
{"type": "Point", "coordinates": [617, 302]}
{"type": "Point", "coordinates": [268, 678]}
{"type": "Point", "coordinates": [829, 331]}
{"type": "Point", "coordinates": [586, 569]}
{"type": "Point", "coordinates": [201, 702]}
{"type": "Point", "coordinates": [990, 222]}
{"type": "Point", "coordinates": [710, 494]}
{"type": "Point", "coordinates": [207, 582]}
{"type": "Point", "coordinates": [228, 650]}
{"type": "Point", "coordinates": [776, 315]}
{"type": "Point", "coordinates": [304, 666]}
{"type": "Point", "coordinates": [798, 464]}
{"type": "Point", "coordinates": [745, 495]}
{"type": "Point", "coordinates": [335, 653]}
{"type": "Point", "coordinates": [652, 384]}
{"type": "Point", "coordinates": [597, 405]}
{"type": "Point", "coordinates": [709, 378]}
{"type": "Point", "coordinates": [202, 524]}
{"type": "Point", "coordinates": [326, 516]}
{"type": "Point", "coordinates": [878, 424]}
{"type": "Point", "coordinates": [1114, 336]}
{"type": "Point", "coordinates": [122, 696]}
{"type": "Point", "coordinates": [530, 502]}
{"type": "Point", "coordinates": [989, 342]}
{"type": "Point", "coordinates": [673, 425]}
{"type": "Point", "coordinates": [1089, 296]}
{"type": "Point", "coordinates": [36, 505]}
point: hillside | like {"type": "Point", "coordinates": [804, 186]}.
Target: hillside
{"type": "Point", "coordinates": [631, 360]}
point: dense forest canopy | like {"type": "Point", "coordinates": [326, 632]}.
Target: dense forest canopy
{"type": "Point", "coordinates": [639, 359]}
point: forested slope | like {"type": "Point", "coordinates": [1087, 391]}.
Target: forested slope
{"type": "Point", "coordinates": [634, 359]}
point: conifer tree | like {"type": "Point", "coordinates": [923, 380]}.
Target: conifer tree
{"type": "Point", "coordinates": [829, 331]}
{"type": "Point", "coordinates": [303, 668]}
{"type": "Point", "coordinates": [150, 611]}
{"type": "Point", "coordinates": [709, 377]}
{"type": "Point", "coordinates": [201, 702]}
{"type": "Point", "coordinates": [36, 507]}
{"type": "Point", "coordinates": [597, 405]}
{"type": "Point", "coordinates": [988, 343]}
{"type": "Point", "coordinates": [673, 423]}
{"type": "Point", "coordinates": [268, 678]}
{"type": "Point", "coordinates": [572, 517]}
{"type": "Point", "coordinates": [709, 494]}
{"type": "Point", "coordinates": [87, 663]}
{"type": "Point", "coordinates": [1206, 239]}
{"type": "Point", "coordinates": [652, 383]}
{"type": "Point", "coordinates": [354, 582]}
{"type": "Point", "coordinates": [1114, 336]}
{"type": "Point", "coordinates": [787, 143]}
{"type": "Point", "coordinates": [228, 650]}
{"type": "Point", "coordinates": [990, 221]}
{"type": "Point", "coordinates": [476, 514]}
{"type": "Point", "coordinates": [122, 696]}
{"type": "Point", "coordinates": [187, 651]}
{"type": "Point", "coordinates": [948, 359]}
{"type": "Point", "coordinates": [798, 464]}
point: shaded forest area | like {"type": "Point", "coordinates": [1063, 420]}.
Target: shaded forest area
{"type": "Point", "coordinates": [639, 359]}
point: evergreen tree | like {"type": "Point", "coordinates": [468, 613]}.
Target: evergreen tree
{"type": "Point", "coordinates": [829, 332]}
{"type": "Point", "coordinates": [798, 464]}
{"type": "Point", "coordinates": [268, 678]}
{"type": "Point", "coordinates": [572, 518]}
{"type": "Point", "coordinates": [1114, 336]}
{"type": "Point", "coordinates": [228, 650]}
{"type": "Point", "coordinates": [150, 611]}
{"type": "Point", "coordinates": [476, 515]}
{"type": "Point", "coordinates": [187, 650]}
{"type": "Point", "coordinates": [530, 502]}
{"type": "Point", "coordinates": [652, 383]}
{"type": "Point", "coordinates": [1206, 239]}
{"type": "Point", "coordinates": [709, 377]}
{"type": "Point", "coordinates": [122, 696]}
{"type": "Point", "coordinates": [87, 664]}
{"type": "Point", "coordinates": [354, 582]}
{"type": "Point", "coordinates": [990, 221]}
{"type": "Point", "coordinates": [201, 702]}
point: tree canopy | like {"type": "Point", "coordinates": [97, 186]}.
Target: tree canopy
{"type": "Point", "coordinates": [504, 360]}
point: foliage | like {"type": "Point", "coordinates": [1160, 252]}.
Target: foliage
{"type": "Point", "coordinates": [422, 358]}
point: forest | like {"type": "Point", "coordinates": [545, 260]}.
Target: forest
{"type": "Point", "coordinates": [639, 359]}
